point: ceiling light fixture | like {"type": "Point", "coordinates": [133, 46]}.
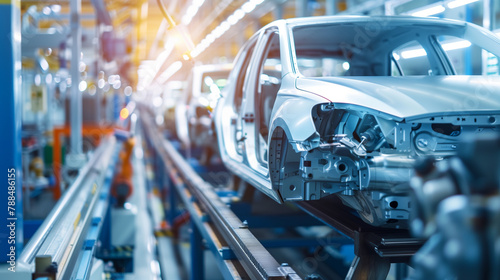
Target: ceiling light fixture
{"type": "Point", "coordinates": [429, 11]}
{"type": "Point", "coordinates": [458, 3]}
{"type": "Point", "coordinates": [224, 26]}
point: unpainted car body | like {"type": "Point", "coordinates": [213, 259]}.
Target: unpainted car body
{"type": "Point", "coordinates": [345, 105]}
{"type": "Point", "coordinates": [172, 93]}
{"type": "Point", "coordinates": [193, 112]}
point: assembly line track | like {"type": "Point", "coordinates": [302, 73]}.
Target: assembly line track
{"type": "Point", "coordinates": [253, 257]}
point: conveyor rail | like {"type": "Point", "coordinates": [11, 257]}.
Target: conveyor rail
{"type": "Point", "coordinates": [213, 217]}
{"type": "Point", "coordinates": [74, 222]}
{"type": "Point", "coordinates": [375, 248]}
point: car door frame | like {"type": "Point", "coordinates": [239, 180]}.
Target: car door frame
{"type": "Point", "coordinates": [249, 127]}
{"type": "Point", "coordinates": [230, 117]}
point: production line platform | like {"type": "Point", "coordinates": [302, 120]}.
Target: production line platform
{"type": "Point", "coordinates": [375, 248]}
{"type": "Point", "coordinates": [89, 232]}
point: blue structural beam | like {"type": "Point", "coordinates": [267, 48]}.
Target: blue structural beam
{"type": "Point", "coordinates": [468, 51]}
{"type": "Point", "coordinates": [197, 252]}
{"type": "Point", "coordinates": [305, 242]}
{"type": "Point", "coordinates": [11, 222]}
{"type": "Point", "coordinates": [244, 211]}
{"type": "Point", "coordinates": [30, 227]}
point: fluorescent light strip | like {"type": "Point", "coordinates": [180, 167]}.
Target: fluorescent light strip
{"type": "Point", "coordinates": [436, 9]}
{"type": "Point", "coordinates": [455, 45]}
{"type": "Point", "coordinates": [462, 44]}
{"type": "Point", "coordinates": [224, 26]}
{"type": "Point", "coordinates": [191, 11]}
{"type": "Point", "coordinates": [248, 7]}
{"type": "Point", "coordinates": [458, 3]}
{"type": "Point", "coordinates": [413, 53]}
{"type": "Point", "coordinates": [429, 11]}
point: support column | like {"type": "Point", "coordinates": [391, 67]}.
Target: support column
{"type": "Point", "coordinates": [489, 14]}
{"type": "Point", "coordinates": [76, 159]}
{"type": "Point", "coordinates": [11, 207]}
{"type": "Point", "coordinates": [488, 23]}
{"type": "Point", "coordinates": [278, 11]}
{"type": "Point", "coordinates": [197, 253]}
{"type": "Point", "coordinates": [330, 7]}
{"type": "Point", "coordinates": [301, 8]}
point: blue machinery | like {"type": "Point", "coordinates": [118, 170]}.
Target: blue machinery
{"type": "Point", "coordinates": [11, 130]}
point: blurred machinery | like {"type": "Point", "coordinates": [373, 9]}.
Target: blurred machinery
{"type": "Point", "coordinates": [122, 187]}
{"type": "Point", "coordinates": [194, 124]}
{"type": "Point", "coordinates": [457, 207]}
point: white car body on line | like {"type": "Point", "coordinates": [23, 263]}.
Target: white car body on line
{"type": "Point", "coordinates": [346, 105]}
{"type": "Point", "coordinates": [193, 110]}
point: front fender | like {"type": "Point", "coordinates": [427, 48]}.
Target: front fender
{"type": "Point", "coordinates": [293, 114]}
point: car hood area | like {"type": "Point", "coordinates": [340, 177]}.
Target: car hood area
{"type": "Point", "coordinates": [405, 97]}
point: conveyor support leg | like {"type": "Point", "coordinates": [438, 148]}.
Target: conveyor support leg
{"type": "Point", "coordinates": [367, 265]}
{"type": "Point", "coordinates": [197, 253]}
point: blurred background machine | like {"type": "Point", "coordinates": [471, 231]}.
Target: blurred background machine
{"type": "Point", "coordinates": [457, 209]}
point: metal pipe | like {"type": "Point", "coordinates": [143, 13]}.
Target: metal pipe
{"type": "Point", "coordinates": [488, 14]}
{"type": "Point", "coordinates": [76, 97]}
{"type": "Point", "coordinates": [278, 11]}
{"type": "Point", "coordinates": [101, 12]}
{"type": "Point", "coordinates": [301, 8]}
{"type": "Point", "coordinates": [488, 23]}
{"type": "Point", "coordinates": [330, 7]}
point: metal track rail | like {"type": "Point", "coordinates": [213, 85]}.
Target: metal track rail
{"type": "Point", "coordinates": [256, 261]}
{"type": "Point", "coordinates": [65, 229]}
{"type": "Point", "coordinates": [375, 248]}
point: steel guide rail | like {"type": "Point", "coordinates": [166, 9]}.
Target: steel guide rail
{"type": "Point", "coordinates": [254, 258]}
{"type": "Point", "coordinates": [100, 207]}
{"type": "Point", "coordinates": [229, 268]}
{"type": "Point", "coordinates": [62, 233]}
